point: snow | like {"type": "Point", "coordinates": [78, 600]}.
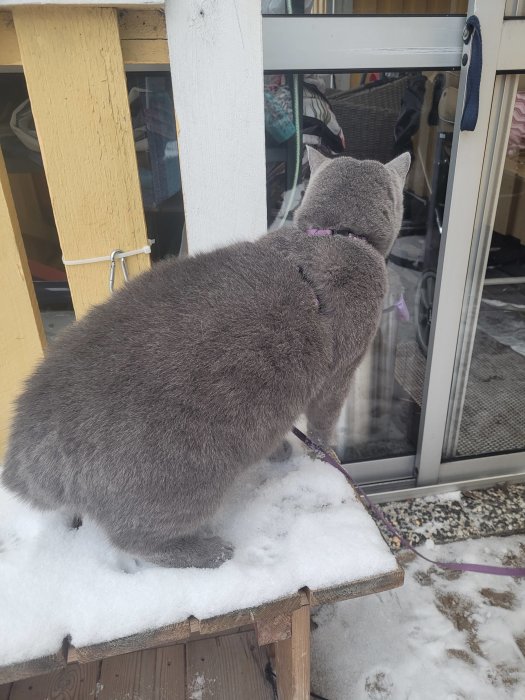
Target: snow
{"type": "Point", "coordinates": [197, 686]}
{"type": "Point", "coordinates": [292, 524]}
{"type": "Point", "coordinates": [444, 635]}
{"type": "Point", "coordinates": [447, 496]}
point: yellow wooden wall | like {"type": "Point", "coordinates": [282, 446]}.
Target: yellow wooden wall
{"type": "Point", "coordinates": [77, 86]}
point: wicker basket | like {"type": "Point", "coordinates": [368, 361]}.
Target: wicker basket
{"type": "Point", "coordinates": [368, 116]}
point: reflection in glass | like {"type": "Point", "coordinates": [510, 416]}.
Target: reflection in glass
{"type": "Point", "coordinates": [492, 409]}
{"type": "Point", "coordinates": [364, 7]}
{"type": "Point", "coordinates": [21, 151]}
{"type": "Point", "coordinates": [153, 120]}
{"type": "Point", "coordinates": [376, 116]}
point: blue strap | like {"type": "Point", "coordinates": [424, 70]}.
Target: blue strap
{"type": "Point", "coordinates": [472, 34]}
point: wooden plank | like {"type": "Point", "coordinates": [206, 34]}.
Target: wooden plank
{"type": "Point", "coordinates": [88, 153]}
{"type": "Point", "coordinates": [143, 52]}
{"type": "Point", "coordinates": [182, 631]}
{"type": "Point", "coordinates": [273, 629]}
{"type": "Point", "coordinates": [120, 676]}
{"type": "Point", "coordinates": [415, 7]}
{"type": "Point", "coordinates": [365, 7]}
{"type": "Point", "coordinates": [33, 667]}
{"type": "Point", "coordinates": [224, 668]}
{"type": "Point", "coordinates": [438, 7]}
{"type": "Point", "coordinates": [22, 337]}
{"type": "Point", "coordinates": [218, 47]}
{"type": "Point", "coordinates": [390, 7]}
{"type": "Point", "coordinates": [75, 682]}
{"type": "Point", "coordinates": [170, 673]}
{"type": "Point", "coordinates": [358, 589]}
{"type": "Point", "coordinates": [143, 37]}
{"type": "Point", "coordinates": [135, 642]}
{"type": "Point", "coordinates": [292, 659]}
{"type": "Point", "coordinates": [148, 675]}
{"type": "Point", "coordinates": [459, 7]}
{"type": "Point", "coordinates": [142, 24]}
{"type": "Point", "coordinates": [145, 683]}
{"type": "Point", "coordinates": [249, 615]}
{"type": "Point", "coordinates": [9, 51]}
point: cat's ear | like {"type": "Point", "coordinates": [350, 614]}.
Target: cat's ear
{"type": "Point", "coordinates": [400, 165]}
{"type": "Point", "coordinates": [315, 158]}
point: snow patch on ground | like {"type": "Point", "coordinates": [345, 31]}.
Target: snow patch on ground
{"type": "Point", "coordinates": [292, 524]}
{"type": "Point", "coordinates": [444, 635]}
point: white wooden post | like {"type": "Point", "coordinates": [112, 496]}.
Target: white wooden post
{"type": "Point", "coordinates": [217, 72]}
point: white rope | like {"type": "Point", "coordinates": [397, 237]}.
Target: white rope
{"type": "Point", "coordinates": [146, 250]}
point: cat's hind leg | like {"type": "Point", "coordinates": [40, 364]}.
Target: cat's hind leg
{"type": "Point", "coordinates": [198, 550]}
{"type": "Point", "coordinates": [282, 453]}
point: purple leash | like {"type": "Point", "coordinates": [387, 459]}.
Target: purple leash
{"type": "Point", "coordinates": [325, 456]}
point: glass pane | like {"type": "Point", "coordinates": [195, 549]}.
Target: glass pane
{"type": "Point", "coordinates": [493, 410]}
{"type": "Point", "coordinates": [153, 118]}
{"type": "Point", "coordinates": [364, 7]}
{"type": "Point", "coordinates": [515, 8]}
{"type": "Point", "coordinates": [375, 116]}
{"type": "Point", "coordinates": [19, 144]}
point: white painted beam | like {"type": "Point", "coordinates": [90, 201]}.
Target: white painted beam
{"type": "Point", "coordinates": [217, 72]}
{"type": "Point", "coordinates": [313, 43]}
{"type": "Point", "coordinates": [460, 214]}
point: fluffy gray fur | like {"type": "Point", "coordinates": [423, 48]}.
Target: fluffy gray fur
{"type": "Point", "coordinates": [145, 411]}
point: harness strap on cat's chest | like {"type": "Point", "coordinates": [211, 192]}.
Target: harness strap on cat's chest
{"type": "Point", "coordinates": [350, 233]}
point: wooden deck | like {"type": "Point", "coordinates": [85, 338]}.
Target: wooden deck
{"type": "Point", "coordinates": [226, 657]}
{"type": "Point", "coordinates": [229, 667]}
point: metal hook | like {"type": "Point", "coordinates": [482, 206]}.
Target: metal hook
{"type": "Point", "coordinates": [112, 268]}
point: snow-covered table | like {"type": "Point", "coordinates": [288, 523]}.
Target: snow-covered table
{"type": "Point", "coordinates": [301, 537]}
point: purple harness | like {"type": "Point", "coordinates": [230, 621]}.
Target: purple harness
{"type": "Point", "coordinates": [331, 459]}
{"type": "Point", "coordinates": [330, 232]}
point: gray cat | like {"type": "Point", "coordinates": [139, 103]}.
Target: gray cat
{"type": "Point", "coordinates": [144, 412]}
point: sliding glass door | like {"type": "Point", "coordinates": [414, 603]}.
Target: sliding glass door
{"type": "Point", "coordinates": [487, 406]}
{"type": "Point", "coordinates": [444, 380]}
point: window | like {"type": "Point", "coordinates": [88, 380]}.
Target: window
{"type": "Point", "coordinates": [154, 131]}
{"type": "Point", "coordinates": [374, 115]}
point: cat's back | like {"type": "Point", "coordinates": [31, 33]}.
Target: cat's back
{"type": "Point", "coordinates": [195, 342]}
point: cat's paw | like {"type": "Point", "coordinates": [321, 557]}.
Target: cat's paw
{"type": "Point", "coordinates": [224, 553]}
{"type": "Point", "coordinates": [282, 453]}
{"type": "Point", "coordinates": [193, 551]}
{"type": "Point", "coordinates": [206, 553]}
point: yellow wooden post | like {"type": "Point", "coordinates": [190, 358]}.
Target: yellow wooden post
{"type": "Point", "coordinates": [22, 335]}
{"type": "Point", "coordinates": [74, 70]}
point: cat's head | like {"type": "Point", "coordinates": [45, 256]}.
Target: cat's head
{"type": "Point", "coordinates": [362, 195]}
